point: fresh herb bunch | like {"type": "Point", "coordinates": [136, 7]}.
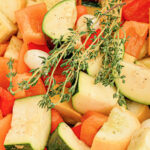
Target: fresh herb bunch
{"type": "Point", "coordinates": [75, 59]}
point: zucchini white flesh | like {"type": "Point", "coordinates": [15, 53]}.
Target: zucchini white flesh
{"type": "Point", "coordinates": [59, 19]}
{"type": "Point", "coordinates": [117, 131]}
{"type": "Point", "coordinates": [94, 65]}
{"type": "Point", "coordinates": [30, 127]}
{"type": "Point", "coordinates": [93, 97]}
{"type": "Point", "coordinates": [64, 139]}
{"type": "Point", "coordinates": [137, 83]}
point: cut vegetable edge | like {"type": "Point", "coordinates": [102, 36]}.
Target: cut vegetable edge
{"type": "Point", "coordinates": [26, 130]}
{"type": "Point", "coordinates": [45, 25]}
{"type": "Point", "coordinates": [137, 83]}
{"type": "Point", "coordinates": [89, 96]}
{"type": "Point", "coordinates": [63, 138]}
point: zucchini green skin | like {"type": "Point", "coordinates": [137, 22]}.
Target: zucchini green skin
{"type": "Point", "coordinates": [28, 144]}
{"type": "Point", "coordinates": [43, 24]}
{"type": "Point", "coordinates": [90, 4]}
{"type": "Point", "coordinates": [13, 147]}
{"type": "Point", "coordinates": [56, 142]}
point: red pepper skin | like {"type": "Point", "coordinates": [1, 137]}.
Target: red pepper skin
{"type": "Point", "coordinates": [56, 119]}
{"type": "Point", "coordinates": [91, 38]}
{"type": "Point", "coordinates": [6, 102]}
{"type": "Point", "coordinates": [137, 10]}
{"type": "Point", "coordinates": [39, 47]}
{"type": "Point", "coordinates": [77, 130]}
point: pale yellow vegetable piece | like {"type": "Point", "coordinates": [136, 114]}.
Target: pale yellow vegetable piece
{"type": "Point", "coordinates": [144, 50]}
{"type": "Point", "coordinates": [146, 62]}
{"type": "Point", "coordinates": [117, 131]}
{"type": "Point", "coordinates": [7, 28]}
{"type": "Point", "coordinates": [19, 35]}
{"type": "Point", "coordinates": [141, 111]}
{"type": "Point", "coordinates": [13, 48]}
{"type": "Point", "coordinates": [8, 7]}
{"type": "Point", "coordinates": [140, 140]}
{"type": "Point", "coordinates": [129, 58]}
{"type": "Point", "coordinates": [51, 3]}
{"type": "Point", "coordinates": [66, 110]}
{"type": "Point", "coordinates": [33, 2]}
{"type": "Point", "coordinates": [146, 123]}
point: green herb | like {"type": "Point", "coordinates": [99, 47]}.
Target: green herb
{"type": "Point", "coordinates": [10, 75]}
{"type": "Point", "coordinates": [75, 59]}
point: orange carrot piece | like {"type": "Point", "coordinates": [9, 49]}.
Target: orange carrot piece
{"type": "Point", "coordinates": [38, 89]}
{"type": "Point", "coordinates": [30, 24]}
{"type": "Point", "coordinates": [3, 48]}
{"type": "Point", "coordinates": [4, 70]}
{"type": "Point", "coordinates": [22, 67]}
{"type": "Point", "coordinates": [92, 122]}
{"type": "Point", "coordinates": [136, 33]}
{"type": "Point", "coordinates": [5, 125]}
{"type": "Point", "coordinates": [92, 113]}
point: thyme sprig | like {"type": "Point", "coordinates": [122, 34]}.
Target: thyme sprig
{"type": "Point", "coordinates": [10, 75]}
{"type": "Point", "coordinates": [107, 43]}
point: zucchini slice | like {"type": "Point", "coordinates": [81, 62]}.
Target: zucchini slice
{"type": "Point", "coordinates": [30, 125]}
{"type": "Point", "coordinates": [59, 19]}
{"type": "Point", "coordinates": [64, 139]}
{"type": "Point", "coordinates": [137, 83]}
{"type": "Point", "coordinates": [94, 65]}
{"type": "Point", "coordinates": [93, 97]}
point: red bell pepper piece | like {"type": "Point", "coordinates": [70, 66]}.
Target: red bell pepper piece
{"type": "Point", "coordinates": [56, 119]}
{"type": "Point", "coordinates": [137, 10]}
{"type": "Point", "coordinates": [6, 102]}
{"type": "Point", "coordinates": [77, 130]}
{"type": "Point", "coordinates": [39, 47]}
{"type": "Point", "coordinates": [91, 38]}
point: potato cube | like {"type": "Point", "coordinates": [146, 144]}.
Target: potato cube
{"type": "Point", "coordinates": [7, 28]}
{"type": "Point", "coordinates": [13, 48]}
{"type": "Point", "coordinates": [8, 7]}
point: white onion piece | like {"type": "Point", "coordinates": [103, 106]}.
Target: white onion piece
{"type": "Point", "coordinates": [82, 23]}
{"type": "Point", "coordinates": [146, 124]}
{"type": "Point", "coordinates": [32, 58]}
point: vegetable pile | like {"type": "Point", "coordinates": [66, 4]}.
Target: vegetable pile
{"type": "Point", "coordinates": [74, 75]}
